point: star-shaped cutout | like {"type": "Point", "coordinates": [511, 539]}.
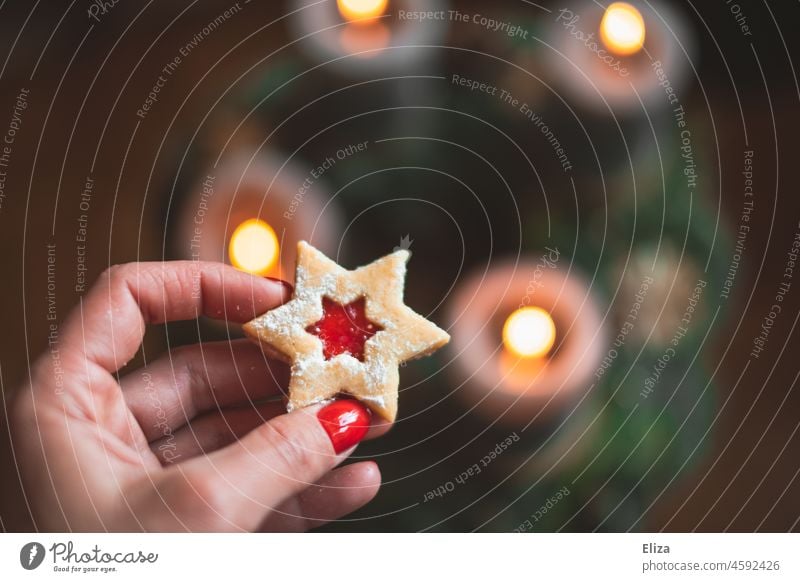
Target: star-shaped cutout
{"type": "Point", "coordinates": [364, 363]}
{"type": "Point", "coordinates": [344, 329]}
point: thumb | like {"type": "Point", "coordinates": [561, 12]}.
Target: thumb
{"type": "Point", "coordinates": [236, 487]}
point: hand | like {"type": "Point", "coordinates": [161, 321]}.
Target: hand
{"type": "Point", "coordinates": [187, 442]}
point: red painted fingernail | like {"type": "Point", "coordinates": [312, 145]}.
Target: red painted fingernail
{"type": "Point", "coordinates": [286, 285]}
{"type": "Point", "coordinates": [346, 421]}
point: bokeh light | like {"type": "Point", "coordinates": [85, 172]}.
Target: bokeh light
{"type": "Point", "coordinates": [529, 332]}
{"type": "Point", "coordinates": [622, 29]}
{"type": "Point", "coordinates": [254, 247]}
{"type": "Point", "coordinates": [361, 11]}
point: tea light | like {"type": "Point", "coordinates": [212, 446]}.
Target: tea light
{"type": "Point", "coordinates": [250, 212]}
{"type": "Point", "coordinates": [367, 37]}
{"type": "Point", "coordinates": [526, 341]}
{"type": "Point", "coordinates": [604, 57]}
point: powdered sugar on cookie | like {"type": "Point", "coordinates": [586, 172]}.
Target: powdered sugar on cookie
{"type": "Point", "coordinates": [366, 361]}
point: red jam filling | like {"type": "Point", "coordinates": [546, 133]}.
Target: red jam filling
{"type": "Point", "coordinates": [343, 329]}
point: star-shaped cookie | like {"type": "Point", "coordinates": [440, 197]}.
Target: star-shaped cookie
{"type": "Point", "coordinates": [346, 332]}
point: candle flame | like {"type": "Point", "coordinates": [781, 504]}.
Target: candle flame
{"type": "Point", "coordinates": [529, 332]}
{"type": "Point", "coordinates": [361, 11]}
{"type": "Point", "coordinates": [622, 29]}
{"type": "Point", "coordinates": [254, 247]}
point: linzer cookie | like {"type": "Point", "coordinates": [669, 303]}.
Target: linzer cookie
{"type": "Point", "coordinates": [346, 332]}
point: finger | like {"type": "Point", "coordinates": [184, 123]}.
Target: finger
{"type": "Point", "coordinates": [378, 428]}
{"type": "Point", "coordinates": [212, 431]}
{"type": "Point", "coordinates": [236, 487]}
{"type": "Point", "coordinates": [194, 379]}
{"type": "Point", "coordinates": [108, 327]}
{"type": "Point", "coordinates": [340, 492]}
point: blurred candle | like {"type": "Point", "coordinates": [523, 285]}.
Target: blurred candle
{"type": "Point", "coordinates": [368, 37]}
{"type": "Point", "coordinates": [527, 339]}
{"type": "Point", "coordinates": [604, 58]}
{"type": "Point", "coordinates": [251, 210]}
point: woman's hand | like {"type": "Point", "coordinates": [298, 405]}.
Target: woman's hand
{"type": "Point", "coordinates": [188, 442]}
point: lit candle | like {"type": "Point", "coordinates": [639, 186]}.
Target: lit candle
{"type": "Point", "coordinates": [250, 211]}
{"type": "Point", "coordinates": [366, 37]}
{"type": "Point", "coordinates": [622, 29]}
{"type": "Point", "coordinates": [526, 340]}
{"type": "Point", "coordinates": [603, 57]}
{"type": "Point", "coordinates": [254, 247]}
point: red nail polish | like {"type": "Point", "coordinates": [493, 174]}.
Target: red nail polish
{"type": "Point", "coordinates": [286, 285]}
{"type": "Point", "coordinates": [346, 421]}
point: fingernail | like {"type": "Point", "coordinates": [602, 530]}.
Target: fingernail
{"type": "Point", "coordinates": [286, 285]}
{"type": "Point", "coordinates": [346, 421]}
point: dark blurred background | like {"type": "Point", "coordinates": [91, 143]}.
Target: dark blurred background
{"type": "Point", "coordinates": [466, 177]}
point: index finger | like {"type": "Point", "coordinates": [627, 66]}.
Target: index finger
{"type": "Point", "coordinates": [109, 326]}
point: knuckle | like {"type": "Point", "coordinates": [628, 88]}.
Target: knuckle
{"type": "Point", "coordinates": [290, 451]}
{"type": "Point", "coordinates": [184, 358]}
{"type": "Point", "coordinates": [114, 278]}
{"type": "Point", "coordinates": [201, 501]}
{"type": "Point", "coordinates": [191, 373]}
{"type": "Point", "coordinates": [113, 274]}
{"type": "Point", "coordinates": [207, 492]}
